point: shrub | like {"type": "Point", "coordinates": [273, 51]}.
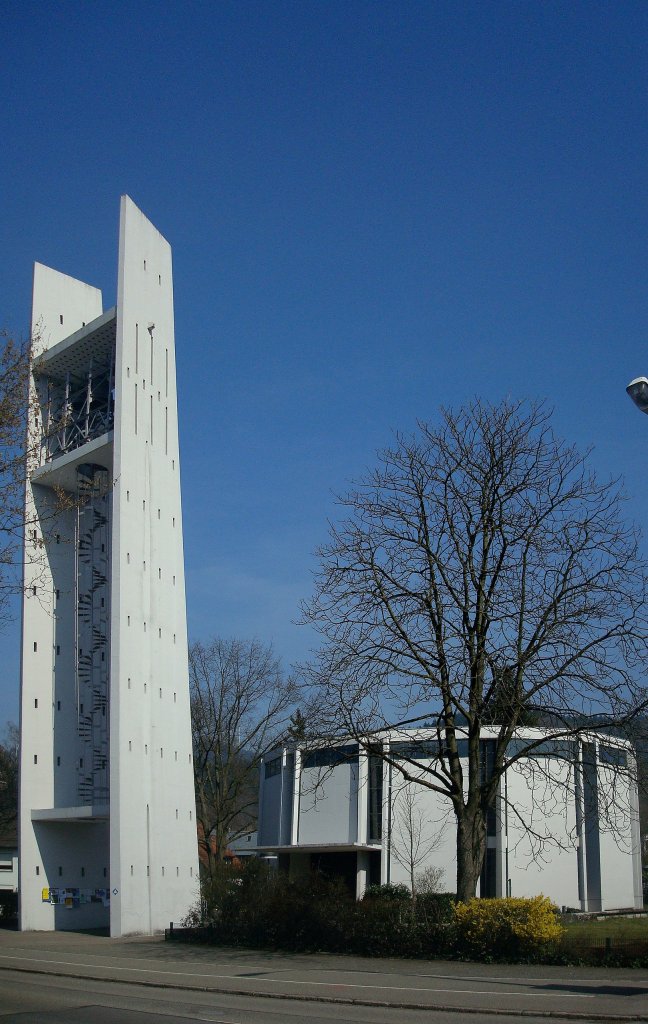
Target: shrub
{"type": "Point", "coordinates": [393, 893]}
{"type": "Point", "coordinates": [429, 880]}
{"type": "Point", "coordinates": [507, 927]}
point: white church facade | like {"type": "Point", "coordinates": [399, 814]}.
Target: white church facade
{"type": "Point", "coordinates": [107, 810]}
{"type": "Point", "coordinates": [565, 823]}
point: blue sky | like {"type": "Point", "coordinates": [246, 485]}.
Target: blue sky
{"type": "Point", "coordinates": [375, 209]}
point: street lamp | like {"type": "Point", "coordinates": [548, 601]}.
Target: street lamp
{"type": "Point", "coordinates": [638, 391]}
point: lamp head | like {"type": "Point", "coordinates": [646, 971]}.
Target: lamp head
{"type": "Point", "coordinates": [638, 391]}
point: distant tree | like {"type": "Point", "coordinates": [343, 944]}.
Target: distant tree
{"type": "Point", "coordinates": [240, 704]}
{"type": "Point", "coordinates": [296, 730]}
{"type": "Point", "coordinates": [483, 576]}
{"type": "Point", "coordinates": [9, 748]}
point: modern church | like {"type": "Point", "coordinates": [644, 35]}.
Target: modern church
{"type": "Point", "coordinates": [107, 810]}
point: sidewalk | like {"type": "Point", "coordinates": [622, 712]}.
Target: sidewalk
{"type": "Point", "coordinates": [587, 993]}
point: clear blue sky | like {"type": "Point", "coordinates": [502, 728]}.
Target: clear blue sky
{"type": "Point", "coordinates": [375, 209]}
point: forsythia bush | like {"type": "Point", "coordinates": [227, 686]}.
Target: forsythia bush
{"type": "Point", "coordinates": [507, 927]}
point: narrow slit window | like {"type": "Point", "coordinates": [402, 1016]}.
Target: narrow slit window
{"type": "Point", "coordinates": [61, 317]}
{"type": "Point", "coordinates": [36, 702]}
{"type": "Point", "coordinates": [35, 645]}
{"type": "Point", "coordinates": [35, 758]}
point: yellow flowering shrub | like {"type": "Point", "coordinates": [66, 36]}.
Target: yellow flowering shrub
{"type": "Point", "coordinates": [507, 927]}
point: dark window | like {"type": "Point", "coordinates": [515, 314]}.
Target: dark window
{"type": "Point", "coordinates": [564, 749]}
{"type": "Point", "coordinates": [415, 750]}
{"type": "Point", "coordinates": [331, 756]}
{"type": "Point", "coordinates": [375, 797]}
{"type": "Point", "coordinates": [272, 767]}
{"type": "Point", "coordinates": [614, 756]}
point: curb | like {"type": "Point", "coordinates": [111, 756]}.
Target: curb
{"type": "Point", "coordinates": [343, 1001]}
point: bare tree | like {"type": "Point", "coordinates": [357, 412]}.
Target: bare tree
{"type": "Point", "coordinates": [483, 575]}
{"type": "Point", "coordinates": [240, 702]}
{"type": "Point", "coordinates": [14, 446]}
{"type": "Point", "coordinates": [23, 435]}
{"type": "Point", "coordinates": [413, 836]}
{"type": "Point", "coordinates": [9, 779]}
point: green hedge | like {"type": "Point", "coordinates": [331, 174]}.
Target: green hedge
{"type": "Point", "coordinates": [255, 907]}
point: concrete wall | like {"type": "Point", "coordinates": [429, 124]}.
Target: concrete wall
{"type": "Point", "coordinates": [422, 832]}
{"type": "Point", "coordinates": [153, 849]}
{"type": "Point", "coordinates": [60, 305]}
{"type": "Point", "coordinates": [328, 804]}
{"type": "Point", "coordinates": [540, 831]}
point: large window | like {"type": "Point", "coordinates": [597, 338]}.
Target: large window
{"type": "Point", "coordinates": [327, 757]}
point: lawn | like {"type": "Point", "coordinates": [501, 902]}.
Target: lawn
{"type": "Point", "coordinates": [626, 936]}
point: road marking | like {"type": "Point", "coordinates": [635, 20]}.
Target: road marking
{"type": "Point", "coordinates": [288, 981]}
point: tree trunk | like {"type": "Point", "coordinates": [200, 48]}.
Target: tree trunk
{"type": "Point", "coordinates": [471, 847]}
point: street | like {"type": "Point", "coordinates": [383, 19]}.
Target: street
{"type": "Point", "coordinates": [87, 979]}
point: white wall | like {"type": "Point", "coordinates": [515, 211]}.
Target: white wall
{"type": "Point", "coordinates": [542, 834]}
{"type": "Point", "coordinates": [154, 861]}
{"type": "Point", "coordinates": [422, 831]}
{"type": "Point", "coordinates": [56, 297]}
{"type": "Point", "coordinates": [328, 804]}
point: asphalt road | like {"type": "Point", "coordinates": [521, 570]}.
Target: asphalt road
{"type": "Point", "coordinates": [73, 978]}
